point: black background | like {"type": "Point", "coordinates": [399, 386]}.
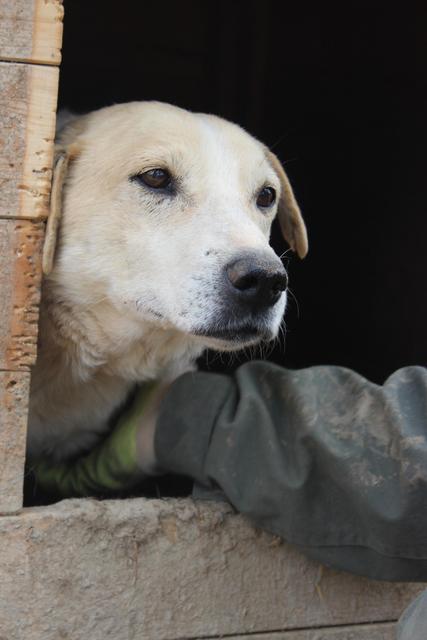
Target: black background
{"type": "Point", "coordinates": [340, 95]}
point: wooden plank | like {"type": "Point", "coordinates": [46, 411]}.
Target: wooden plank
{"type": "Point", "coordinates": [28, 96]}
{"type": "Point", "coordinates": [14, 389]}
{"type": "Point", "coordinates": [380, 631]}
{"type": "Point", "coordinates": [31, 31]}
{"type": "Point", "coordinates": [20, 281]}
{"type": "Point", "coordinates": [169, 570]}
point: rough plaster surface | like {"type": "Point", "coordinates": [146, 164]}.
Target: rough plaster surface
{"type": "Point", "coordinates": [31, 30]}
{"type": "Point", "coordinates": [382, 631]}
{"type": "Point", "coordinates": [14, 388]}
{"type": "Point", "coordinates": [28, 96]}
{"type": "Point", "coordinates": [167, 570]}
{"type": "Point", "coordinates": [20, 268]}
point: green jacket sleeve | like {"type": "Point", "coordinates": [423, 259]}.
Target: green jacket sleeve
{"type": "Point", "coordinates": [320, 456]}
{"type": "Point", "coordinates": [112, 466]}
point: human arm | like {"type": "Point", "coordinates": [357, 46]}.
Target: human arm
{"type": "Point", "coordinates": [322, 457]}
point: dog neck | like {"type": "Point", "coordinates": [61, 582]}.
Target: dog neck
{"type": "Point", "coordinates": [88, 339]}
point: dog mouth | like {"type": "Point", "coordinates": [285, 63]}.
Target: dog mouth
{"type": "Point", "coordinates": [224, 330]}
{"type": "Point", "coordinates": [238, 335]}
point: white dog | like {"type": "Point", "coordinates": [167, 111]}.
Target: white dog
{"type": "Point", "coordinates": [162, 252]}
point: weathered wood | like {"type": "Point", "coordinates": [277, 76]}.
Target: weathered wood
{"type": "Point", "coordinates": [31, 30]}
{"type": "Point", "coordinates": [28, 96]}
{"type": "Point", "coordinates": [14, 388]}
{"type": "Point", "coordinates": [167, 570]}
{"type": "Point", "coordinates": [20, 279]}
{"type": "Point", "coordinates": [385, 631]}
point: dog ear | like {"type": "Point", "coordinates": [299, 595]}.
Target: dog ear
{"type": "Point", "coordinates": [63, 157]}
{"type": "Point", "coordinates": [291, 222]}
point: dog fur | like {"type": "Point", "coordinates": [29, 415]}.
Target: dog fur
{"type": "Point", "coordinates": [133, 288]}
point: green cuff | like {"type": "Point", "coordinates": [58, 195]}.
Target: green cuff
{"type": "Point", "coordinates": [112, 466]}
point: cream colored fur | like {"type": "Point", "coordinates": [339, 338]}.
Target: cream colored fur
{"type": "Point", "coordinates": [136, 274]}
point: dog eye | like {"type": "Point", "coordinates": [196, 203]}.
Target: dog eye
{"type": "Point", "coordinates": [266, 197]}
{"type": "Point", "coordinates": [154, 178]}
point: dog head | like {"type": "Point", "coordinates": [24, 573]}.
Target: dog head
{"type": "Point", "coordinates": [166, 216]}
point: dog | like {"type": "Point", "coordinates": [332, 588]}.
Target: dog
{"type": "Point", "coordinates": [156, 249]}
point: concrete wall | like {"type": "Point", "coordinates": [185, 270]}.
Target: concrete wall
{"type": "Point", "coordinates": [174, 569]}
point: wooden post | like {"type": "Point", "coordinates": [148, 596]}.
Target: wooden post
{"type": "Point", "coordinates": [30, 40]}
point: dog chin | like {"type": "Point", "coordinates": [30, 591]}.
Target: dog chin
{"type": "Point", "coordinates": [234, 338]}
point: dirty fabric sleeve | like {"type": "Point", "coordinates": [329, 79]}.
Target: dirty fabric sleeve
{"type": "Point", "coordinates": [322, 457]}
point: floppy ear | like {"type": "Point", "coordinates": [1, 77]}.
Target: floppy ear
{"type": "Point", "coordinates": [63, 157]}
{"type": "Point", "coordinates": [289, 214]}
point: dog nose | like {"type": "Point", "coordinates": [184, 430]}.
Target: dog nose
{"type": "Point", "coordinates": [257, 282]}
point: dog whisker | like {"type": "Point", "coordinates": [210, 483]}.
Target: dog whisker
{"type": "Point", "coordinates": [295, 300]}
{"type": "Point", "coordinates": [282, 255]}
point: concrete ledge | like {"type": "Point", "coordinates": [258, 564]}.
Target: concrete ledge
{"type": "Point", "coordinates": [382, 631]}
{"type": "Point", "coordinates": [169, 570]}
